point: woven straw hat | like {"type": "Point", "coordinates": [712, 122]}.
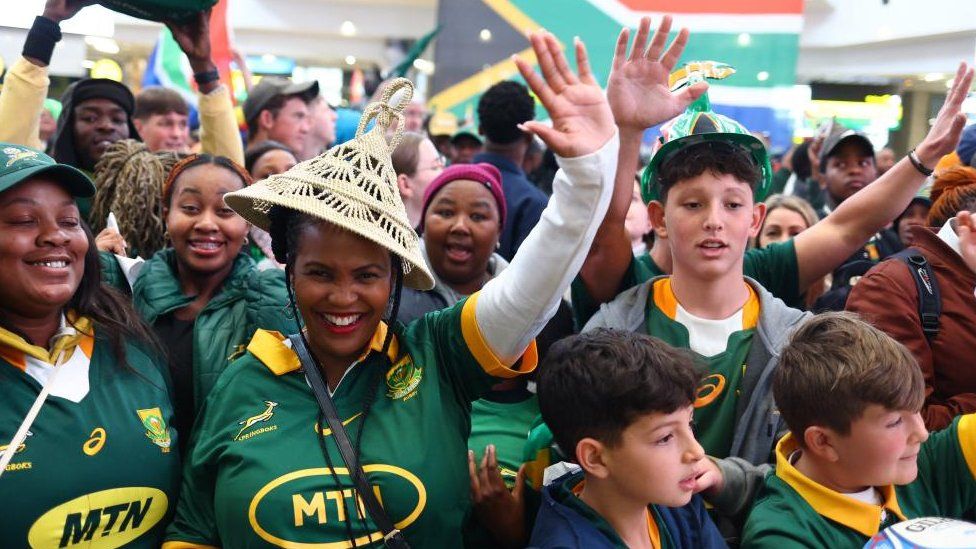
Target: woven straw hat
{"type": "Point", "coordinates": [351, 185]}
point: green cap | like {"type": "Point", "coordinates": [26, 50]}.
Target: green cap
{"type": "Point", "coordinates": [54, 107]}
{"type": "Point", "coordinates": [700, 124]}
{"type": "Point", "coordinates": [159, 10]}
{"type": "Point", "coordinates": [18, 163]}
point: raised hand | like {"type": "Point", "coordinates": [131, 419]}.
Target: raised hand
{"type": "Point", "coordinates": [944, 135]}
{"type": "Point", "coordinates": [581, 117]}
{"type": "Point", "coordinates": [193, 36]}
{"type": "Point", "coordinates": [966, 226]}
{"type": "Point", "coordinates": [60, 10]}
{"type": "Point", "coordinates": [638, 88]}
{"type": "Point", "coordinates": [500, 511]}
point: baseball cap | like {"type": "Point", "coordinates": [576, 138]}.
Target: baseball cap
{"type": "Point", "coordinates": [272, 86]}
{"type": "Point", "coordinates": [18, 163]}
{"type": "Point", "coordinates": [837, 138]}
{"type": "Point", "coordinates": [967, 146]}
{"type": "Point", "coordinates": [470, 131]}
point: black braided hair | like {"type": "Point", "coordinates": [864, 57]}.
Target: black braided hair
{"type": "Point", "coordinates": [285, 225]}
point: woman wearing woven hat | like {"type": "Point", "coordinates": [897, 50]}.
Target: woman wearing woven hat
{"type": "Point", "coordinates": [203, 295]}
{"type": "Point", "coordinates": [355, 429]}
{"type": "Point", "coordinates": [85, 416]}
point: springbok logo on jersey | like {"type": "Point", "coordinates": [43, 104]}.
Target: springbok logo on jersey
{"type": "Point", "coordinates": [403, 378]}
{"type": "Point", "coordinates": [156, 430]}
{"type": "Point", "coordinates": [260, 418]}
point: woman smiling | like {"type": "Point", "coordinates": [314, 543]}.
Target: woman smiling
{"type": "Point", "coordinates": [203, 295]}
{"type": "Point", "coordinates": [354, 429]}
{"type": "Point", "coordinates": [85, 414]}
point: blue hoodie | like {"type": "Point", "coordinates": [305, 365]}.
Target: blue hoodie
{"type": "Point", "coordinates": [564, 520]}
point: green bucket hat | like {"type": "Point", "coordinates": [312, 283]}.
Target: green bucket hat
{"type": "Point", "coordinates": [159, 10]}
{"type": "Point", "coordinates": [19, 163]}
{"type": "Point", "coordinates": [700, 124]}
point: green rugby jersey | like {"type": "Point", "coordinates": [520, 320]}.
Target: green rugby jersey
{"type": "Point", "coordinates": [256, 475]}
{"type": "Point", "coordinates": [506, 425]}
{"type": "Point", "coordinates": [774, 267]}
{"type": "Point", "coordinates": [794, 511]}
{"type": "Point", "coordinates": [100, 465]}
{"type": "Point", "coordinates": [715, 403]}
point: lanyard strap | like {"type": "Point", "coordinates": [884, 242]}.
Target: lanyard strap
{"type": "Point", "coordinates": [392, 536]}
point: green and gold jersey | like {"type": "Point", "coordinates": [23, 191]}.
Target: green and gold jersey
{"type": "Point", "coordinates": [795, 511]}
{"type": "Point", "coordinates": [256, 475]}
{"type": "Point", "coordinates": [506, 425]}
{"type": "Point", "coordinates": [774, 267]}
{"type": "Point", "coordinates": [100, 466]}
{"type": "Point", "coordinates": [715, 405]}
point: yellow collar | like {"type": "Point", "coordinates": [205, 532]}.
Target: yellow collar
{"type": "Point", "coordinates": [667, 302]}
{"type": "Point", "coordinates": [269, 347]}
{"type": "Point", "coordinates": [15, 349]}
{"type": "Point", "coordinates": [854, 514]}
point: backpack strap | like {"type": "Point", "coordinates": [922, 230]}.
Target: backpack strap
{"type": "Point", "coordinates": [929, 299]}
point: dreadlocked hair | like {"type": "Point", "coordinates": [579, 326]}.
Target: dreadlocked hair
{"type": "Point", "coordinates": [129, 178]}
{"type": "Point", "coordinates": [286, 224]}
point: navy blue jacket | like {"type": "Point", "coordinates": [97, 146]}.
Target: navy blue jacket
{"type": "Point", "coordinates": [524, 203]}
{"type": "Point", "coordinates": [564, 522]}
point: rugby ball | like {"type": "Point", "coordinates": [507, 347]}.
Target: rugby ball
{"type": "Point", "coordinates": [159, 10]}
{"type": "Point", "coordinates": [926, 533]}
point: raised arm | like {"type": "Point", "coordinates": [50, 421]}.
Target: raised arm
{"type": "Point", "coordinates": [26, 83]}
{"type": "Point", "coordinates": [639, 98]}
{"type": "Point", "coordinates": [821, 248]}
{"type": "Point", "coordinates": [513, 307]}
{"type": "Point", "coordinates": [218, 126]}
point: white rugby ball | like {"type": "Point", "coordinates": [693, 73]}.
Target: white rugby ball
{"type": "Point", "coordinates": [926, 533]}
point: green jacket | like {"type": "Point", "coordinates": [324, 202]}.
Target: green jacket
{"type": "Point", "coordinates": [249, 299]}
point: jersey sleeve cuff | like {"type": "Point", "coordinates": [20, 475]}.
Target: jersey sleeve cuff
{"type": "Point", "coordinates": [967, 440]}
{"type": "Point", "coordinates": [486, 357]}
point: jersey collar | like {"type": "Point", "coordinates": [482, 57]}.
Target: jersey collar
{"type": "Point", "coordinates": [667, 302]}
{"type": "Point", "coordinates": [14, 348]}
{"type": "Point", "coordinates": [856, 515]}
{"type": "Point", "coordinates": [274, 350]}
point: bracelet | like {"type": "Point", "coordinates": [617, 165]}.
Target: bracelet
{"type": "Point", "coordinates": [913, 158]}
{"type": "Point", "coordinates": [43, 35]}
{"type": "Point", "coordinates": [206, 77]}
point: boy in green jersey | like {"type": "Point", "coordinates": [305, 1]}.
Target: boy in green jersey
{"type": "Point", "coordinates": [858, 458]}
{"type": "Point", "coordinates": [705, 185]}
{"type": "Point", "coordinates": [621, 405]}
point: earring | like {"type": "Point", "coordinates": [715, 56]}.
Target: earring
{"type": "Point", "coordinates": [246, 240]}
{"type": "Point", "coordinates": [166, 236]}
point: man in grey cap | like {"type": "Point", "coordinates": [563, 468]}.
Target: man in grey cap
{"type": "Point", "coordinates": [277, 109]}
{"type": "Point", "coordinates": [848, 165]}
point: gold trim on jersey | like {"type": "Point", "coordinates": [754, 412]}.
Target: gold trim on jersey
{"type": "Point", "coordinates": [967, 440]}
{"type": "Point", "coordinates": [269, 347]}
{"type": "Point", "coordinates": [667, 302]}
{"type": "Point", "coordinates": [857, 515]}
{"type": "Point", "coordinates": [15, 349]}
{"type": "Point", "coordinates": [482, 352]}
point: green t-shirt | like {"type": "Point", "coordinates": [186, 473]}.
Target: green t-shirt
{"type": "Point", "coordinates": [99, 472]}
{"type": "Point", "coordinates": [718, 392]}
{"type": "Point", "coordinates": [794, 511]}
{"type": "Point", "coordinates": [257, 475]}
{"type": "Point", "coordinates": [774, 267]}
{"type": "Point", "coordinates": [506, 425]}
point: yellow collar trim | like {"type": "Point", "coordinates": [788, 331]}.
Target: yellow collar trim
{"type": "Point", "coordinates": [269, 347]}
{"type": "Point", "coordinates": [15, 349]}
{"type": "Point", "coordinates": [857, 515]}
{"type": "Point", "coordinates": [666, 301]}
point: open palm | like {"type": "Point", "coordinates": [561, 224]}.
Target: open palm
{"type": "Point", "coordinates": [947, 128]}
{"type": "Point", "coordinates": [638, 89]}
{"type": "Point", "coordinates": [581, 117]}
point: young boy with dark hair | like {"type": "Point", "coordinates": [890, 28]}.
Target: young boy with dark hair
{"type": "Point", "coordinates": [620, 403]}
{"type": "Point", "coordinates": [858, 458]}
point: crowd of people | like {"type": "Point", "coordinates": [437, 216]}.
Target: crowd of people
{"type": "Point", "coordinates": [431, 334]}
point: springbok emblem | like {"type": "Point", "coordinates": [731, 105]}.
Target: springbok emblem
{"type": "Point", "coordinates": [263, 416]}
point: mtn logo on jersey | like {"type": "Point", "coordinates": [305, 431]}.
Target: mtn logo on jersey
{"type": "Point", "coordinates": [253, 420]}
{"type": "Point", "coordinates": [102, 520]}
{"type": "Point", "coordinates": [403, 378]}
{"type": "Point", "coordinates": [156, 430]}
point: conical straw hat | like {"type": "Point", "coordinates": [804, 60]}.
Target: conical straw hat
{"type": "Point", "coordinates": [352, 185]}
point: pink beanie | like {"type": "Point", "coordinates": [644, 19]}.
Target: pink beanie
{"type": "Point", "coordinates": [485, 174]}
